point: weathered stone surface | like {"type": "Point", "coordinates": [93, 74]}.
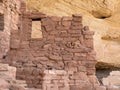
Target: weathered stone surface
{"type": "Point", "coordinates": [100, 88]}
{"type": "Point", "coordinates": [115, 73]}
{"type": "Point", "coordinates": [3, 84]}
{"type": "Point", "coordinates": [8, 21]}
{"type": "Point", "coordinates": [16, 87]}
{"type": "Point", "coordinates": [3, 67]}
{"type": "Point", "coordinates": [113, 88]}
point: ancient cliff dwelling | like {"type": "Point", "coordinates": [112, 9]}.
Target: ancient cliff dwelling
{"type": "Point", "coordinates": [41, 51]}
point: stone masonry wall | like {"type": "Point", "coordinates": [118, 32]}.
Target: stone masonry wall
{"type": "Point", "coordinates": [9, 18]}
{"type": "Point", "coordinates": [66, 46]}
{"type": "Point", "coordinates": [63, 59]}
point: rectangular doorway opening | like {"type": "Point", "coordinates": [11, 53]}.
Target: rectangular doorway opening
{"type": "Point", "coordinates": [36, 29]}
{"type": "Point", "coordinates": [1, 22]}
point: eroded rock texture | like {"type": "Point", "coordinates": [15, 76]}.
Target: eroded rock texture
{"type": "Point", "coordinates": [101, 15]}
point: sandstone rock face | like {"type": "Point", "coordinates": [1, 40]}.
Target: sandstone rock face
{"type": "Point", "coordinates": [101, 15]}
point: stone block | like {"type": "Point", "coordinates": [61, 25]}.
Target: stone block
{"type": "Point", "coordinates": [67, 18]}
{"type": "Point", "coordinates": [88, 32]}
{"type": "Point", "coordinates": [21, 77]}
{"type": "Point", "coordinates": [49, 28]}
{"type": "Point", "coordinates": [91, 57]}
{"type": "Point", "coordinates": [4, 67]}
{"type": "Point", "coordinates": [94, 80]}
{"type": "Point", "coordinates": [90, 71]}
{"type": "Point", "coordinates": [81, 69]}
{"type": "Point", "coordinates": [3, 84]}
{"type": "Point", "coordinates": [73, 23]}
{"type": "Point", "coordinates": [66, 23]}
{"type": "Point", "coordinates": [35, 81]}
{"type": "Point", "coordinates": [77, 18]}
{"type": "Point", "coordinates": [88, 43]}
{"type": "Point", "coordinates": [74, 88]}
{"type": "Point", "coordinates": [76, 35]}
{"type": "Point", "coordinates": [1, 55]}
{"type": "Point", "coordinates": [86, 28]}
{"type": "Point", "coordinates": [55, 18]}
{"type": "Point", "coordinates": [67, 58]}
{"type": "Point", "coordinates": [37, 15]}
{"type": "Point", "coordinates": [88, 36]}
{"type": "Point", "coordinates": [58, 39]}
{"type": "Point", "coordinates": [53, 57]}
{"type": "Point", "coordinates": [27, 71]}
{"type": "Point", "coordinates": [79, 27]}
{"type": "Point", "coordinates": [111, 80]}
{"type": "Point", "coordinates": [113, 88]}
{"type": "Point", "coordinates": [100, 88]}
{"type": "Point", "coordinates": [82, 86]}
{"type": "Point", "coordinates": [53, 33]}
{"type": "Point", "coordinates": [115, 73]}
{"type": "Point", "coordinates": [62, 27]}
{"type": "Point", "coordinates": [47, 21]}
{"type": "Point", "coordinates": [42, 58]}
{"type": "Point", "coordinates": [15, 44]}
{"type": "Point", "coordinates": [74, 31]}
{"type": "Point", "coordinates": [16, 87]}
{"type": "Point", "coordinates": [36, 72]}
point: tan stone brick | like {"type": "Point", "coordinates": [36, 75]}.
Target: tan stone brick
{"type": "Point", "coordinates": [53, 57]}
{"type": "Point", "coordinates": [100, 88]}
{"type": "Point", "coordinates": [55, 18]}
{"type": "Point", "coordinates": [66, 23]}
{"type": "Point", "coordinates": [113, 88]}
{"type": "Point", "coordinates": [66, 18]}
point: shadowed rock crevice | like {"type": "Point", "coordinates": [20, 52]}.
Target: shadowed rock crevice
{"type": "Point", "coordinates": [103, 70]}
{"type": "Point", "coordinates": [107, 66]}
{"type": "Point", "coordinates": [102, 14]}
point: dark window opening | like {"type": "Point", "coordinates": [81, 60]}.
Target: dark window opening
{"type": "Point", "coordinates": [36, 19]}
{"type": "Point", "coordinates": [103, 17]}
{"type": "Point", "coordinates": [1, 22]}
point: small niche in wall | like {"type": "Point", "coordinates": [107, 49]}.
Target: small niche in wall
{"type": "Point", "coordinates": [1, 22]}
{"type": "Point", "coordinates": [36, 29]}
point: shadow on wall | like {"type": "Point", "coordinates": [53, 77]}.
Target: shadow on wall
{"type": "Point", "coordinates": [103, 70]}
